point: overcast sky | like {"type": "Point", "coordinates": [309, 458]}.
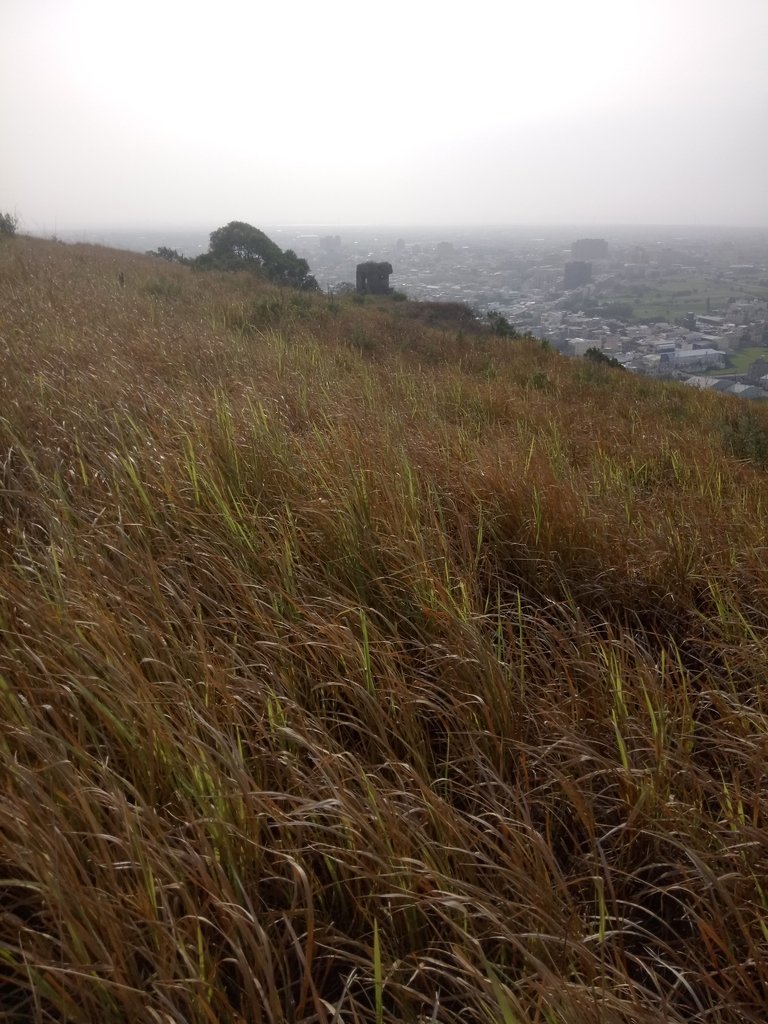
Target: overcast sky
{"type": "Point", "coordinates": [190, 113]}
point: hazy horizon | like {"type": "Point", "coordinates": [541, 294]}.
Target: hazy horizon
{"type": "Point", "coordinates": [569, 231]}
{"type": "Point", "coordinates": [168, 115]}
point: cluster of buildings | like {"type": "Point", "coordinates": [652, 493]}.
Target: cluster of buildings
{"type": "Point", "coordinates": [683, 351]}
{"type": "Point", "coordinates": [692, 349]}
{"type": "Point", "coordinates": [702, 342]}
{"type": "Point", "coordinates": [663, 304]}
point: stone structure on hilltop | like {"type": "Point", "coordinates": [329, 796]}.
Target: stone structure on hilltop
{"type": "Point", "coordinates": [373, 278]}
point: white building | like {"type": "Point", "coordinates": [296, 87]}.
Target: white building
{"type": "Point", "coordinates": [696, 359]}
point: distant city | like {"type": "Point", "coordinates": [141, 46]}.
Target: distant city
{"type": "Point", "coordinates": [689, 304]}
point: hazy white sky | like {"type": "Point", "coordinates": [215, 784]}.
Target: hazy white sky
{"type": "Point", "coordinates": [192, 113]}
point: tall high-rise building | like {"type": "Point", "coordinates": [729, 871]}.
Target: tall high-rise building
{"type": "Point", "coordinates": [577, 274]}
{"type": "Point", "coordinates": [590, 249]}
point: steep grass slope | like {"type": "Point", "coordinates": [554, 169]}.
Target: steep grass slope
{"type": "Point", "coordinates": [353, 669]}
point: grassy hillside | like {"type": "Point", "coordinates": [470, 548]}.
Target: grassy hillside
{"type": "Point", "coordinates": [355, 669]}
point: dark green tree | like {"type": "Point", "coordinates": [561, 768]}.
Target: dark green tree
{"type": "Point", "coordinates": [596, 356]}
{"type": "Point", "coordinates": [242, 242]}
{"type": "Point", "coordinates": [292, 270]}
{"type": "Point", "coordinates": [8, 224]}
{"type": "Point", "coordinates": [164, 253]}
{"type": "Point", "coordinates": [500, 325]}
{"type": "Point", "coordinates": [240, 246]}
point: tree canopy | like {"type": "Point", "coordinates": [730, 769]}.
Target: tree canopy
{"type": "Point", "coordinates": [241, 246]}
{"type": "Point", "coordinates": [8, 224]}
{"type": "Point", "coordinates": [241, 241]}
{"type": "Point", "coordinates": [163, 252]}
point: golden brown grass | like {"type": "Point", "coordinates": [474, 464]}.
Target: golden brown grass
{"type": "Point", "coordinates": [357, 670]}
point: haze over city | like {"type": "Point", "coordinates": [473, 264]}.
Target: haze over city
{"type": "Point", "coordinates": [171, 113]}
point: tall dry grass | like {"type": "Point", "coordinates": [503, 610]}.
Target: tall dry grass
{"type": "Point", "coordinates": [358, 670]}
